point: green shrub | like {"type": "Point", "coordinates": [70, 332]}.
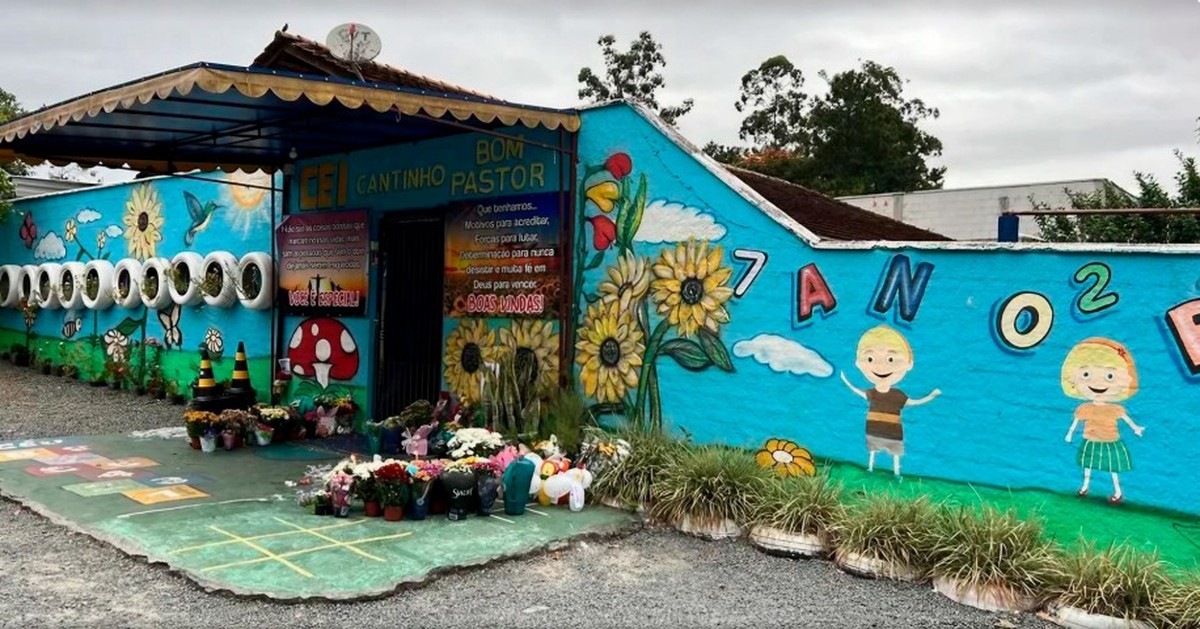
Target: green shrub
{"type": "Point", "coordinates": [805, 505]}
{"type": "Point", "coordinates": [567, 415]}
{"type": "Point", "coordinates": [630, 480]}
{"type": "Point", "coordinates": [1115, 581]}
{"type": "Point", "coordinates": [895, 530]}
{"type": "Point", "coordinates": [986, 547]}
{"type": "Point", "coordinates": [708, 484]}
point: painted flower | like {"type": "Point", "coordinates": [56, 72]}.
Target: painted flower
{"type": "Point", "coordinates": [469, 348]}
{"type": "Point", "coordinates": [610, 351]}
{"type": "Point", "coordinates": [101, 240]}
{"type": "Point", "coordinates": [116, 345]}
{"type": "Point", "coordinates": [785, 458]}
{"type": "Point", "coordinates": [214, 342]}
{"type": "Point", "coordinates": [143, 222]}
{"type": "Point", "coordinates": [29, 230]}
{"type": "Point", "coordinates": [604, 232]}
{"type": "Point", "coordinates": [535, 344]}
{"type": "Point", "coordinates": [691, 287]}
{"type": "Point", "coordinates": [70, 230]}
{"type": "Point", "coordinates": [619, 165]}
{"type": "Point", "coordinates": [631, 274]}
{"type": "Point", "coordinates": [604, 195]}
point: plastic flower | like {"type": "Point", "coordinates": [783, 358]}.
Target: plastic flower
{"type": "Point", "coordinates": [470, 346]}
{"type": "Point", "coordinates": [610, 351]}
{"type": "Point", "coordinates": [101, 240]}
{"type": "Point", "coordinates": [604, 232]}
{"type": "Point", "coordinates": [786, 458]}
{"type": "Point", "coordinates": [604, 195]}
{"type": "Point", "coordinates": [71, 230]}
{"type": "Point", "coordinates": [116, 345]}
{"type": "Point", "coordinates": [631, 273]}
{"type": "Point", "coordinates": [143, 222]}
{"type": "Point", "coordinates": [534, 344]}
{"type": "Point", "coordinates": [619, 165]}
{"type": "Point", "coordinates": [691, 287]}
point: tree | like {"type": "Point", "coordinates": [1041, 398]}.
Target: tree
{"type": "Point", "coordinates": [862, 136]}
{"type": "Point", "coordinates": [1128, 228]}
{"type": "Point", "coordinates": [9, 108]}
{"type": "Point", "coordinates": [634, 75]}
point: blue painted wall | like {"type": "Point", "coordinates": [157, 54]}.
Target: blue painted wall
{"type": "Point", "coordinates": [1002, 414]}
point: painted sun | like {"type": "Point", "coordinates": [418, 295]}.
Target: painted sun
{"type": "Point", "coordinates": [246, 201]}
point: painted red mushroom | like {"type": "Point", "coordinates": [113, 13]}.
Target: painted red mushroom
{"type": "Point", "coordinates": [323, 349]}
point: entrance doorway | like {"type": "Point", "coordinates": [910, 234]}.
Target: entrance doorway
{"type": "Point", "coordinates": [411, 256]}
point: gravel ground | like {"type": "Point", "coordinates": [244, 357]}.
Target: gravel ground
{"type": "Point", "coordinates": [50, 576]}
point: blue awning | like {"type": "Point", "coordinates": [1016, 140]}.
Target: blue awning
{"type": "Point", "coordinates": [215, 117]}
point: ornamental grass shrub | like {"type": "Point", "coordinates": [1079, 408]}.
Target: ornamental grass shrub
{"type": "Point", "coordinates": [806, 505]}
{"type": "Point", "coordinates": [1178, 604]}
{"type": "Point", "coordinates": [631, 480]}
{"type": "Point", "coordinates": [708, 484]}
{"type": "Point", "coordinates": [988, 548]}
{"type": "Point", "coordinates": [1114, 581]}
{"type": "Point", "coordinates": [887, 528]}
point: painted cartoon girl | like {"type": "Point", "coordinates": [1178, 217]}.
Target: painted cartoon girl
{"type": "Point", "coordinates": [884, 357]}
{"type": "Point", "coordinates": [1102, 372]}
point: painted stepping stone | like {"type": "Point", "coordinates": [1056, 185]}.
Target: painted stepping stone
{"type": "Point", "coordinates": [71, 449]}
{"type": "Point", "coordinates": [32, 443]}
{"type": "Point", "coordinates": [155, 495]}
{"type": "Point", "coordinates": [85, 458]}
{"type": "Point", "coordinates": [26, 454]}
{"type": "Point", "coordinates": [125, 463]}
{"type": "Point", "coordinates": [98, 474]}
{"type": "Point", "coordinates": [45, 471]}
{"type": "Point", "coordinates": [102, 488]}
{"type": "Point", "coordinates": [189, 479]}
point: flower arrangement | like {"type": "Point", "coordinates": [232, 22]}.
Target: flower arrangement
{"type": "Point", "coordinates": [466, 464]}
{"type": "Point", "coordinates": [483, 467]}
{"type": "Point", "coordinates": [340, 485]}
{"type": "Point", "coordinates": [393, 479]}
{"type": "Point", "coordinates": [237, 420]}
{"type": "Point", "coordinates": [475, 442]}
{"type": "Point", "coordinates": [427, 471]}
{"type": "Point", "coordinates": [200, 422]}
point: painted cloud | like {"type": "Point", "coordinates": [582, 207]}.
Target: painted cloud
{"type": "Point", "coordinates": [783, 355]}
{"type": "Point", "coordinates": [665, 221]}
{"type": "Point", "coordinates": [87, 215]}
{"type": "Point", "coordinates": [113, 231]}
{"type": "Point", "coordinates": [50, 247]}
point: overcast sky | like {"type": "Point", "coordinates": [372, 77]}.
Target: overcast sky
{"type": "Point", "coordinates": [1028, 90]}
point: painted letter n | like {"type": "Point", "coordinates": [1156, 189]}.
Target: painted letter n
{"type": "Point", "coordinates": [1184, 321]}
{"type": "Point", "coordinates": [901, 284]}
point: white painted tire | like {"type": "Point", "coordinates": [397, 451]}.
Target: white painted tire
{"type": "Point", "coordinates": [1076, 618]}
{"type": "Point", "coordinates": [75, 271]}
{"type": "Point", "coordinates": [266, 269]}
{"type": "Point", "coordinates": [159, 267]}
{"type": "Point", "coordinates": [130, 270]}
{"type": "Point", "coordinates": [227, 264]}
{"type": "Point", "coordinates": [780, 542]}
{"type": "Point", "coordinates": [191, 263]}
{"type": "Point", "coordinates": [872, 568]}
{"type": "Point", "coordinates": [27, 287]}
{"type": "Point", "coordinates": [992, 599]}
{"type": "Point", "coordinates": [103, 269]}
{"type": "Point", "coordinates": [12, 274]}
{"type": "Point", "coordinates": [723, 529]}
{"type": "Point", "coordinates": [47, 274]}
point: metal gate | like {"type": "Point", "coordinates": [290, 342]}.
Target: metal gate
{"type": "Point", "coordinates": [411, 255]}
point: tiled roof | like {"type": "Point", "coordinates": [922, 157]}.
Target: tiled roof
{"type": "Point", "coordinates": [297, 54]}
{"type": "Point", "coordinates": [827, 217]}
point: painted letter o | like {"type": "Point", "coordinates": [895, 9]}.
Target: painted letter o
{"type": "Point", "coordinates": [1041, 319]}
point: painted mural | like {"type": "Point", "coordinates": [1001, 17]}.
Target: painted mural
{"type": "Point", "coordinates": [703, 307]}
{"type": "Point", "coordinates": [129, 281]}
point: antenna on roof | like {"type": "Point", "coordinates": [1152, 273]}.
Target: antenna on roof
{"type": "Point", "coordinates": [353, 43]}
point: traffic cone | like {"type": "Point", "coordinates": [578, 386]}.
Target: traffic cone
{"type": "Point", "coordinates": [204, 390]}
{"type": "Point", "coordinates": [239, 385]}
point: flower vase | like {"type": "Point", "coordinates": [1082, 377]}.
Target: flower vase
{"type": "Point", "coordinates": [194, 442]}
{"type": "Point", "coordinates": [371, 509]}
{"type": "Point", "coordinates": [265, 435]}
{"type": "Point", "coordinates": [460, 492]}
{"type": "Point", "coordinates": [418, 506]}
{"type": "Point", "coordinates": [229, 439]}
{"type": "Point", "coordinates": [208, 443]}
{"type": "Point", "coordinates": [393, 513]}
{"type": "Point", "coordinates": [487, 487]}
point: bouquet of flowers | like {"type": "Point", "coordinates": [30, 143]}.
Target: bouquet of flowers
{"type": "Point", "coordinates": [199, 423]}
{"type": "Point", "coordinates": [475, 442]}
{"type": "Point", "coordinates": [393, 480]}
{"type": "Point", "coordinates": [340, 485]}
{"type": "Point", "coordinates": [483, 467]}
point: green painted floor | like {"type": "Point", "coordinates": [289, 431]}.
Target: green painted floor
{"type": "Point", "coordinates": [228, 521]}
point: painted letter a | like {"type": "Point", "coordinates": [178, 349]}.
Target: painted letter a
{"type": "Point", "coordinates": [812, 290]}
{"type": "Point", "coordinates": [901, 284]}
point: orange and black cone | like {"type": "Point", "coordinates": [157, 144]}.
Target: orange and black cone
{"type": "Point", "coordinates": [240, 381]}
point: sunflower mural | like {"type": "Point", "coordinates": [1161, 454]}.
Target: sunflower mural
{"type": "Point", "coordinates": [785, 458]}
{"type": "Point", "coordinates": [644, 308]}
{"type": "Point", "coordinates": [534, 344]}
{"type": "Point", "coordinates": [143, 222]}
{"type": "Point", "coordinates": [470, 347]}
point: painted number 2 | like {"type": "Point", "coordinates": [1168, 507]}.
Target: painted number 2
{"type": "Point", "coordinates": [1094, 299]}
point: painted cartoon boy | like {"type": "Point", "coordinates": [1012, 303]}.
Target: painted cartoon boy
{"type": "Point", "coordinates": [884, 357]}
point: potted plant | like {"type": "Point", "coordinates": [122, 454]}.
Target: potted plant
{"type": "Point", "coordinates": [208, 440]}
{"type": "Point", "coordinates": [886, 536]}
{"type": "Point", "coordinates": [709, 491]}
{"type": "Point", "coordinates": [392, 432]}
{"type": "Point", "coordinates": [792, 517]}
{"type": "Point", "coordinates": [366, 489]}
{"type": "Point", "coordinates": [422, 487]}
{"type": "Point", "coordinates": [197, 424]}
{"type": "Point", "coordinates": [116, 371]}
{"type": "Point", "coordinates": [459, 481]}
{"type": "Point", "coordinates": [479, 442]}
{"type": "Point", "coordinates": [341, 486]}
{"type": "Point", "coordinates": [233, 420]}
{"type": "Point", "coordinates": [487, 484]}
{"type": "Point", "coordinates": [150, 284]}
{"type": "Point", "coordinates": [393, 482]}
{"type": "Point", "coordinates": [322, 503]}
{"type": "Point", "coordinates": [1116, 587]}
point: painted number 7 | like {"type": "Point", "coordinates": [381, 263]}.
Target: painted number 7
{"type": "Point", "coordinates": [1094, 299]}
{"type": "Point", "coordinates": [757, 260]}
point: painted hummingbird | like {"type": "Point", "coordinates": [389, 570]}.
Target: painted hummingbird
{"type": "Point", "coordinates": [201, 216]}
